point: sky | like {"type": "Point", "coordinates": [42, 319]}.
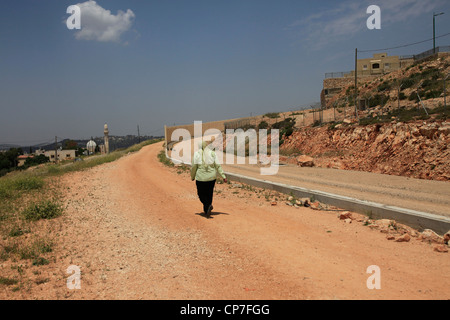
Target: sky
{"type": "Point", "coordinates": [153, 63]}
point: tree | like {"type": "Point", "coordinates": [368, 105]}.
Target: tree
{"type": "Point", "coordinates": [8, 159]}
{"type": "Point", "coordinates": [33, 161]}
{"type": "Point", "coordinates": [70, 145]}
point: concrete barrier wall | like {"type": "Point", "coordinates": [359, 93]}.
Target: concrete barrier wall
{"type": "Point", "coordinates": [304, 119]}
{"type": "Point", "coordinates": [219, 125]}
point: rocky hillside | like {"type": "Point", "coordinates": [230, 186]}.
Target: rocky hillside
{"type": "Point", "coordinates": [398, 133]}
{"type": "Point", "coordinates": [416, 149]}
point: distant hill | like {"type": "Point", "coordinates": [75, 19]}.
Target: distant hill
{"type": "Point", "coordinates": [115, 142]}
{"type": "Point", "coordinates": [8, 146]}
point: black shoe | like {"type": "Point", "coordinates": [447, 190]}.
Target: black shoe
{"type": "Point", "coordinates": [208, 213]}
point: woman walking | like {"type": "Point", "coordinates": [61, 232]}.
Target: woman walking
{"type": "Point", "coordinates": [204, 171]}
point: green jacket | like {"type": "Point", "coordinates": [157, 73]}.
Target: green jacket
{"type": "Point", "coordinates": [205, 166]}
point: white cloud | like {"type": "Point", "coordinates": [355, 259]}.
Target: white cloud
{"type": "Point", "coordinates": [99, 24]}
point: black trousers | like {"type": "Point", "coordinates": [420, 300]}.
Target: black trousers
{"type": "Point", "coordinates": [205, 191]}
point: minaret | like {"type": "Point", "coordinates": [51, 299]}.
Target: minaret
{"type": "Point", "coordinates": [106, 132]}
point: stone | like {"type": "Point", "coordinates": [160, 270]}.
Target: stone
{"type": "Point", "coordinates": [273, 203]}
{"type": "Point", "coordinates": [305, 161]}
{"type": "Point", "coordinates": [385, 223]}
{"type": "Point", "coordinates": [314, 205]}
{"type": "Point", "coordinates": [431, 236]}
{"type": "Point", "coordinates": [390, 237]}
{"type": "Point", "coordinates": [345, 215]}
{"type": "Point", "coordinates": [348, 220]}
{"type": "Point", "coordinates": [404, 238]}
{"type": "Point", "coordinates": [440, 248]}
{"type": "Point", "coordinates": [289, 203]}
{"type": "Point", "coordinates": [447, 237]}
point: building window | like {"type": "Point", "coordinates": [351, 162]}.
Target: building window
{"type": "Point", "coordinates": [365, 67]}
{"type": "Point", "coordinates": [387, 65]}
{"type": "Point", "coordinates": [376, 66]}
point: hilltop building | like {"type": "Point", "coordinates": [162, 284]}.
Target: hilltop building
{"type": "Point", "coordinates": [380, 64]}
{"type": "Point", "coordinates": [22, 158]}
{"type": "Point", "coordinates": [60, 154]}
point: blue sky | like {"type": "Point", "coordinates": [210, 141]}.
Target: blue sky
{"type": "Point", "coordinates": [151, 63]}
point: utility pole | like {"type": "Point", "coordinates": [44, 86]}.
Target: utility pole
{"type": "Point", "coordinates": [334, 110]}
{"type": "Point", "coordinates": [445, 92]}
{"type": "Point", "coordinates": [398, 95]}
{"type": "Point", "coordinates": [434, 30]}
{"type": "Point", "coordinates": [139, 136]}
{"type": "Point", "coordinates": [56, 149]}
{"type": "Point", "coordinates": [356, 84]}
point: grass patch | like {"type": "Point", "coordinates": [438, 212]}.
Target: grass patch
{"type": "Point", "coordinates": [272, 115]}
{"type": "Point", "coordinates": [164, 160]}
{"type": "Point", "coordinates": [10, 187]}
{"type": "Point", "coordinates": [405, 115]}
{"type": "Point", "coordinates": [46, 209]}
{"type": "Point", "coordinates": [8, 281]}
{"type": "Point", "coordinates": [17, 231]}
{"type": "Point", "coordinates": [40, 261]}
{"type": "Point", "coordinates": [34, 250]}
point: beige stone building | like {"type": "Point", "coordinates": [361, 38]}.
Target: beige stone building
{"type": "Point", "coordinates": [379, 64]}
{"type": "Point", "coordinates": [61, 154]}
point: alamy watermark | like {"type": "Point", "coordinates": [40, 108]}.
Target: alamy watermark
{"type": "Point", "coordinates": [374, 21]}
{"type": "Point", "coordinates": [74, 21]}
{"type": "Point", "coordinates": [374, 281]}
{"type": "Point", "coordinates": [74, 280]}
{"type": "Point", "coordinates": [241, 146]}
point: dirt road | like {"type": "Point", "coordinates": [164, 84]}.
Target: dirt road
{"type": "Point", "coordinates": [135, 230]}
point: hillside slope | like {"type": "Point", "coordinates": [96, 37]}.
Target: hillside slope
{"type": "Point", "coordinates": [416, 149]}
{"type": "Point", "coordinates": [403, 130]}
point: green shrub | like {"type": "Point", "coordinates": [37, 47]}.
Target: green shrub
{"type": "Point", "coordinates": [43, 210]}
{"type": "Point", "coordinates": [408, 83]}
{"type": "Point", "coordinates": [8, 281]}
{"type": "Point", "coordinates": [432, 94]}
{"type": "Point", "coordinates": [28, 183]}
{"type": "Point", "coordinates": [379, 99]}
{"type": "Point", "coordinates": [263, 125]}
{"type": "Point", "coordinates": [272, 115]}
{"type": "Point", "coordinates": [40, 261]}
{"type": "Point", "coordinates": [164, 160]}
{"type": "Point", "coordinates": [413, 97]}
{"type": "Point", "coordinates": [384, 86]}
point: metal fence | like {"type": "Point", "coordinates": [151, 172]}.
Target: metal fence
{"type": "Point", "coordinates": [424, 95]}
{"type": "Point", "coordinates": [342, 74]}
{"type": "Point", "coordinates": [431, 52]}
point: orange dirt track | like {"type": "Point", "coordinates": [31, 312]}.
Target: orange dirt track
{"type": "Point", "coordinates": [134, 228]}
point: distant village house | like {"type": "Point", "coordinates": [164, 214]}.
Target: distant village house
{"type": "Point", "coordinates": [61, 154]}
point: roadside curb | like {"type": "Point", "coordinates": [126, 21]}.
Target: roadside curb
{"type": "Point", "coordinates": [415, 219]}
